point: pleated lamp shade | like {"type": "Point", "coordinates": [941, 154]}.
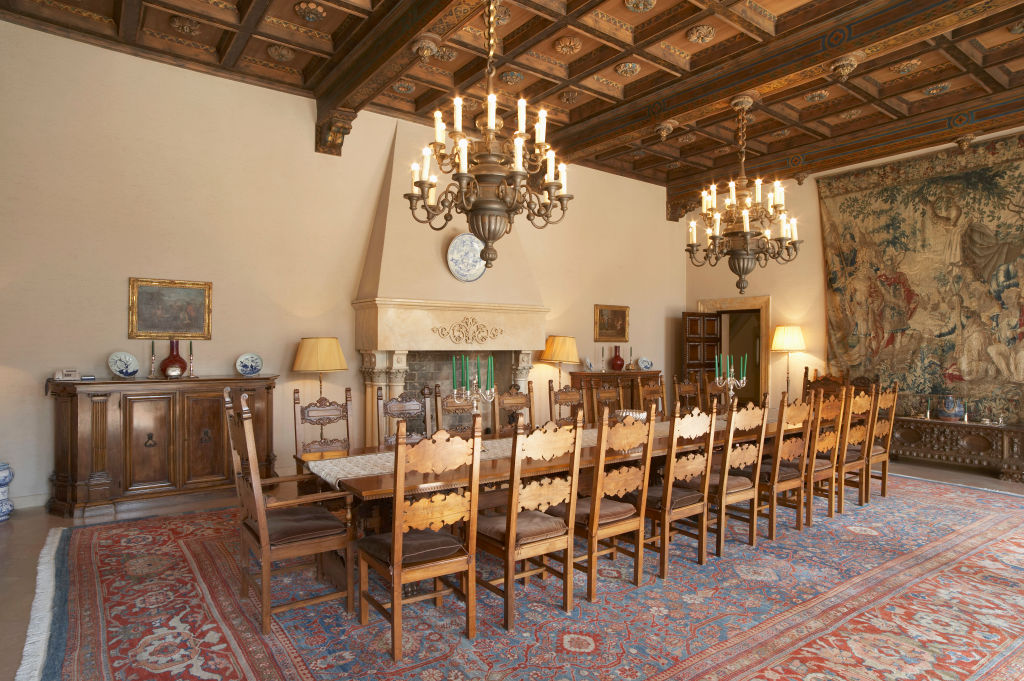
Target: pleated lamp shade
{"type": "Point", "coordinates": [319, 354]}
{"type": "Point", "coordinates": [560, 349]}
{"type": "Point", "coordinates": [788, 339]}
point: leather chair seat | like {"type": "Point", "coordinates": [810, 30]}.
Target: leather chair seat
{"type": "Point", "coordinates": [681, 496]}
{"type": "Point", "coordinates": [611, 511]}
{"type": "Point", "coordinates": [736, 483]}
{"type": "Point", "coordinates": [852, 454]}
{"type": "Point", "coordinates": [786, 472]}
{"type": "Point", "coordinates": [298, 523]}
{"type": "Point", "coordinates": [822, 463]}
{"type": "Point", "coordinates": [531, 526]}
{"type": "Point", "coordinates": [876, 450]}
{"type": "Point", "coordinates": [417, 546]}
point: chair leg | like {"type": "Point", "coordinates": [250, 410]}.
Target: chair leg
{"type": "Point", "coordinates": [592, 569]}
{"type": "Point", "coordinates": [752, 534]}
{"type": "Point", "coordinates": [243, 562]}
{"type": "Point", "coordinates": [702, 538]}
{"type": "Point", "coordinates": [470, 592]}
{"type": "Point", "coordinates": [638, 558]}
{"type": "Point", "coordinates": [510, 590]}
{"type": "Point", "coordinates": [799, 508]}
{"type": "Point", "coordinates": [666, 536]}
{"type": "Point", "coordinates": [773, 509]}
{"type": "Point", "coordinates": [568, 571]}
{"type": "Point", "coordinates": [265, 593]}
{"type": "Point", "coordinates": [396, 620]}
{"type": "Point", "coordinates": [364, 586]}
{"type": "Point", "coordinates": [832, 496]}
{"type": "Point", "coordinates": [438, 600]}
{"type": "Point", "coordinates": [720, 529]}
{"type": "Point", "coordinates": [349, 576]}
{"type": "Point", "coordinates": [809, 507]}
{"type": "Point", "coordinates": [840, 482]}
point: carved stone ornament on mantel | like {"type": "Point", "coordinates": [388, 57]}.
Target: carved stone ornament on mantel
{"type": "Point", "coordinates": [468, 331]}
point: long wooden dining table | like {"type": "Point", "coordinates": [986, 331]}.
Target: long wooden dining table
{"type": "Point", "coordinates": [368, 474]}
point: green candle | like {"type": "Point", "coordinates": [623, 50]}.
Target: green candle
{"type": "Point", "coordinates": [478, 371]}
{"type": "Point", "coordinates": [453, 372]}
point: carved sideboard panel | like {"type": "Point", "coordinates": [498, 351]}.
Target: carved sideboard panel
{"type": "Point", "coordinates": [997, 449]}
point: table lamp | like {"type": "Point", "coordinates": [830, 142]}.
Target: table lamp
{"type": "Point", "coordinates": [788, 339]}
{"type": "Point", "coordinates": [560, 350]}
{"type": "Point", "coordinates": [320, 355]}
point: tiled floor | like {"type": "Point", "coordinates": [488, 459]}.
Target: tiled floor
{"type": "Point", "coordinates": [22, 537]}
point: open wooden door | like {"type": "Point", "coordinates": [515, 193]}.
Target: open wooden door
{"type": "Point", "coordinates": [702, 341]}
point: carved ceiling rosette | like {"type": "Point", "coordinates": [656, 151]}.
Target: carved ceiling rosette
{"type": "Point", "coordinates": [468, 331]}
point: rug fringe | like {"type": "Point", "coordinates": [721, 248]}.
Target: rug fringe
{"type": "Point", "coordinates": [34, 654]}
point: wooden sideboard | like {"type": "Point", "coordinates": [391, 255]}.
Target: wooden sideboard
{"type": "Point", "coordinates": [588, 381]}
{"type": "Point", "coordinates": [993, 448]}
{"type": "Point", "coordinates": [120, 440]}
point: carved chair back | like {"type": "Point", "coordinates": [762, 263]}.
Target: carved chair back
{"type": "Point", "coordinates": [245, 463]}
{"type": "Point", "coordinates": [827, 383]}
{"type": "Point", "coordinates": [712, 391]}
{"type": "Point", "coordinates": [651, 393]}
{"type": "Point", "coordinates": [885, 417]}
{"type": "Point", "coordinates": [858, 421]}
{"type": "Point", "coordinates": [605, 395]}
{"type": "Point", "coordinates": [566, 396]}
{"type": "Point", "coordinates": [826, 431]}
{"type": "Point", "coordinates": [687, 393]}
{"type": "Point", "coordinates": [321, 412]}
{"type": "Point", "coordinates": [615, 478]}
{"type": "Point", "coordinates": [790, 448]}
{"type": "Point", "coordinates": [508, 406]}
{"type": "Point", "coordinates": [544, 443]}
{"type": "Point", "coordinates": [407, 406]}
{"type": "Point", "coordinates": [442, 454]}
{"type": "Point", "coordinates": [452, 414]}
{"type": "Point", "coordinates": [694, 433]}
{"type": "Point", "coordinates": [747, 425]}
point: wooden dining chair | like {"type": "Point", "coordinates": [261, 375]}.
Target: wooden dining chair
{"type": "Point", "coordinates": [418, 548]}
{"type": "Point", "coordinates": [320, 413]}
{"type": "Point", "coordinates": [675, 509]}
{"type": "Point", "coordinates": [452, 414]}
{"type": "Point", "coordinates": [734, 478]}
{"type": "Point", "coordinates": [566, 396]}
{"type": "Point", "coordinates": [857, 430]}
{"type": "Point", "coordinates": [506, 408]}
{"type": "Point", "coordinates": [688, 394]}
{"type": "Point", "coordinates": [651, 392]}
{"type": "Point", "coordinates": [605, 395]}
{"type": "Point", "coordinates": [621, 465]}
{"type": "Point", "coordinates": [885, 418]}
{"type": "Point", "coordinates": [712, 391]}
{"type": "Point", "coordinates": [828, 384]}
{"type": "Point", "coordinates": [782, 471]}
{"type": "Point", "coordinates": [524, 533]}
{"type": "Point", "coordinates": [282, 530]}
{"type": "Point", "coordinates": [409, 406]}
{"type": "Point", "coordinates": [823, 452]}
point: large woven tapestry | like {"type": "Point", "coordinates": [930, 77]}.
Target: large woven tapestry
{"type": "Point", "coordinates": [924, 261]}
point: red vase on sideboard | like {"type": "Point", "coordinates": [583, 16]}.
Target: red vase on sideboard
{"type": "Point", "coordinates": [174, 364]}
{"type": "Point", "coordinates": [616, 362]}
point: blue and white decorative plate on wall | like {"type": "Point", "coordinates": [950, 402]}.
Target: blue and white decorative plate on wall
{"type": "Point", "coordinates": [464, 260]}
{"type": "Point", "coordinates": [123, 364]}
{"type": "Point", "coordinates": [249, 364]}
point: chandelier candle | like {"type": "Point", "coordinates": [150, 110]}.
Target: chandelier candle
{"type": "Point", "coordinates": [741, 232]}
{"type": "Point", "coordinates": [494, 174]}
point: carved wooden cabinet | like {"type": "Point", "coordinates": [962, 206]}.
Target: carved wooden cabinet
{"type": "Point", "coordinates": [123, 440]}
{"type": "Point", "coordinates": [994, 448]}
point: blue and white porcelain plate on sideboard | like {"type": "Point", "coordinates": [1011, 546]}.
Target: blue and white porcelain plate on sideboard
{"type": "Point", "coordinates": [464, 260]}
{"type": "Point", "coordinates": [123, 364]}
{"type": "Point", "coordinates": [249, 364]}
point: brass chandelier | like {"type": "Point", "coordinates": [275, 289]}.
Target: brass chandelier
{"type": "Point", "coordinates": [742, 230]}
{"type": "Point", "coordinates": [490, 179]}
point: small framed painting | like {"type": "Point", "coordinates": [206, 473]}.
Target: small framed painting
{"type": "Point", "coordinates": [168, 308]}
{"type": "Point", "coordinates": [611, 323]}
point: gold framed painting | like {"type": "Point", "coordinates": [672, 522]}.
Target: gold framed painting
{"type": "Point", "coordinates": [170, 308]}
{"type": "Point", "coordinates": [611, 323]}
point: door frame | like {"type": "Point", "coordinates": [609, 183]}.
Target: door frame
{"type": "Point", "coordinates": [763, 305]}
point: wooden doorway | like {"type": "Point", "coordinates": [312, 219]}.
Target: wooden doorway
{"type": "Point", "coordinates": [746, 328]}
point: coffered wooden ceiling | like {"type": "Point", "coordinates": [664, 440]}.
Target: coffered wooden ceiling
{"type": "Point", "coordinates": [836, 81]}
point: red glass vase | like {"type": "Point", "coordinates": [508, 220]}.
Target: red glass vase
{"type": "Point", "coordinates": [616, 362]}
{"type": "Point", "coordinates": [174, 364]}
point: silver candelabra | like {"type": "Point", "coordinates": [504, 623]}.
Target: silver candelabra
{"type": "Point", "coordinates": [732, 382]}
{"type": "Point", "coordinates": [473, 394]}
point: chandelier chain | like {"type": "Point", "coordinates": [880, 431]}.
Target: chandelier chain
{"type": "Point", "coordinates": [741, 137]}
{"type": "Point", "coordinates": [492, 14]}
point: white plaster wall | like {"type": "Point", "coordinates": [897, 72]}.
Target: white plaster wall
{"type": "Point", "coordinates": [113, 166]}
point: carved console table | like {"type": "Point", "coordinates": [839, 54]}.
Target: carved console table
{"type": "Point", "coordinates": [116, 441]}
{"type": "Point", "coordinates": [993, 448]}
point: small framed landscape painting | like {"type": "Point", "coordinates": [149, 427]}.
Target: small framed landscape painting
{"type": "Point", "coordinates": [168, 308]}
{"type": "Point", "coordinates": [611, 323]}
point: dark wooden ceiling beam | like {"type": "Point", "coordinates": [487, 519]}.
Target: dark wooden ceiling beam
{"type": "Point", "coordinates": [668, 23]}
{"type": "Point", "coordinates": [129, 16]}
{"type": "Point", "coordinates": [919, 80]}
{"type": "Point", "coordinates": [986, 113]}
{"type": "Point", "coordinates": [958, 57]}
{"type": "Point", "coordinates": [251, 13]}
{"type": "Point", "coordinates": [760, 32]}
{"type": "Point", "coordinates": [787, 120]}
{"type": "Point", "coordinates": [798, 55]}
{"type": "Point", "coordinates": [858, 91]}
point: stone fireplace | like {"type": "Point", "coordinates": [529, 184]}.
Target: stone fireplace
{"type": "Point", "coordinates": [408, 344]}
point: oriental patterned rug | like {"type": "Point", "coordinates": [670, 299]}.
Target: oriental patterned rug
{"type": "Point", "coordinates": [927, 584]}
